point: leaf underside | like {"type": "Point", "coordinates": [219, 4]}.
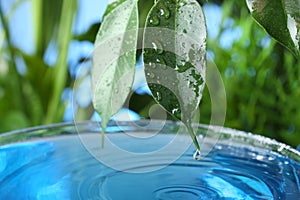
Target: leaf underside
{"type": "Point", "coordinates": [114, 59]}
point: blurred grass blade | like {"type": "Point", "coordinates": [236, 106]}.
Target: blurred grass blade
{"type": "Point", "coordinates": [114, 59]}
{"type": "Point", "coordinates": [60, 71]}
{"type": "Point", "coordinates": [174, 56]}
{"type": "Point", "coordinates": [281, 19]}
{"type": "Point", "coordinates": [46, 19]}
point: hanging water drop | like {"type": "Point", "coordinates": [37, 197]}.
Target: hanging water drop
{"type": "Point", "coordinates": [154, 20]}
{"type": "Point", "coordinates": [197, 155]}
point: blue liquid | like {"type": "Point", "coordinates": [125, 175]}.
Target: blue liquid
{"type": "Point", "coordinates": [63, 169]}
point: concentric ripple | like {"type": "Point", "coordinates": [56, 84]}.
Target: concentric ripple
{"type": "Point", "coordinates": [186, 192]}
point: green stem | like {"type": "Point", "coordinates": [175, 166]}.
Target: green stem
{"type": "Point", "coordinates": [60, 72]}
{"type": "Point", "coordinates": [193, 135]}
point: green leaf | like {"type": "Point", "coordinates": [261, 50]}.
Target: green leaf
{"type": "Point", "coordinates": [112, 6]}
{"type": "Point", "coordinates": [90, 34]}
{"type": "Point", "coordinates": [281, 19]}
{"type": "Point", "coordinates": [174, 56]}
{"type": "Point", "coordinates": [114, 59]}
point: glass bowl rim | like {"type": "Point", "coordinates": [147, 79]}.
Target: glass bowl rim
{"type": "Point", "coordinates": [225, 133]}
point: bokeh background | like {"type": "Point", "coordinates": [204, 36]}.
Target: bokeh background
{"type": "Point", "coordinates": [46, 48]}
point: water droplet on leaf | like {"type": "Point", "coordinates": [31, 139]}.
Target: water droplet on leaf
{"type": "Point", "coordinates": [153, 65]}
{"type": "Point", "coordinates": [158, 96]}
{"type": "Point", "coordinates": [157, 46]}
{"type": "Point", "coordinates": [165, 12]}
{"type": "Point", "coordinates": [174, 110]}
{"type": "Point", "coordinates": [152, 75]}
{"type": "Point", "coordinates": [154, 20]}
{"type": "Point", "coordinates": [161, 62]}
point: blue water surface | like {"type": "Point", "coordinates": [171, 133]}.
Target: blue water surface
{"type": "Point", "coordinates": [63, 169]}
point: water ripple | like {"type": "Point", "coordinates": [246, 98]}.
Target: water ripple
{"type": "Point", "coordinates": [186, 192]}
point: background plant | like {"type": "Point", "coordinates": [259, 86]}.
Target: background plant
{"type": "Point", "coordinates": [261, 76]}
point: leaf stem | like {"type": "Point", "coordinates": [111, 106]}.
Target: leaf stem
{"type": "Point", "coordinates": [193, 135]}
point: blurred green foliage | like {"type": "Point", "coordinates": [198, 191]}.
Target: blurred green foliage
{"type": "Point", "coordinates": [261, 77]}
{"type": "Point", "coordinates": [34, 98]}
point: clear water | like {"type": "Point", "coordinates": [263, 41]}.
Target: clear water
{"type": "Point", "coordinates": [61, 168]}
